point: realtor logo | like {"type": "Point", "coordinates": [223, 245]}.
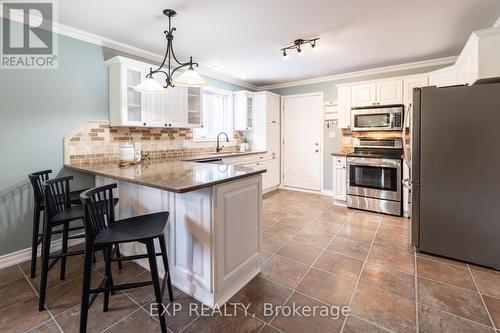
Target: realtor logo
{"type": "Point", "coordinates": [28, 38]}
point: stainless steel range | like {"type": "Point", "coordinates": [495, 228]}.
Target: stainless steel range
{"type": "Point", "coordinates": [374, 173]}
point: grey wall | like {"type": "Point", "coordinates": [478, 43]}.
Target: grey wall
{"type": "Point", "coordinates": [37, 109]}
{"type": "Point", "coordinates": [329, 91]}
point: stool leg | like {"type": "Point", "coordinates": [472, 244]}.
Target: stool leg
{"type": "Point", "coordinates": [47, 233]}
{"type": "Point", "coordinates": [35, 240]}
{"type": "Point", "coordinates": [87, 276]}
{"type": "Point", "coordinates": [64, 250]}
{"type": "Point", "coordinates": [156, 282]}
{"type": "Point", "coordinates": [118, 255]}
{"type": "Point", "coordinates": [165, 266]}
{"type": "Point", "coordinates": [107, 275]}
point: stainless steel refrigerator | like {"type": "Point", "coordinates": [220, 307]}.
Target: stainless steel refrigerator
{"type": "Point", "coordinates": [455, 173]}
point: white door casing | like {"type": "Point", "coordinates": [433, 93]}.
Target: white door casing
{"type": "Point", "coordinates": [302, 141]}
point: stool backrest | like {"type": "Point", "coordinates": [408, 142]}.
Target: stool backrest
{"type": "Point", "coordinates": [56, 196]}
{"type": "Point", "coordinates": [99, 209]}
{"type": "Point", "coordinates": [36, 180]}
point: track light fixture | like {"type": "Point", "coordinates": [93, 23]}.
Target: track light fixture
{"type": "Point", "coordinates": [298, 45]}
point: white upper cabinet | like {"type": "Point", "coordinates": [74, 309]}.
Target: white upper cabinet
{"type": "Point", "coordinates": [363, 94]}
{"type": "Point", "coordinates": [389, 92]}
{"type": "Point", "coordinates": [410, 83]}
{"type": "Point", "coordinates": [273, 140]}
{"type": "Point", "coordinates": [273, 108]}
{"type": "Point", "coordinates": [266, 130]}
{"type": "Point", "coordinates": [243, 110]}
{"type": "Point", "coordinates": [178, 107]}
{"type": "Point", "coordinates": [381, 92]}
{"type": "Point", "coordinates": [127, 106]}
{"type": "Point", "coordinates": [155, 108]}
{"type": "Point", "coordinates": [194, 107]}
{"type": "Point", "coordinates": [443, 77]}
{"type": "Point", "coordinates": [477, 61]}
{"type": "Point", "coordinates": [344, 106]}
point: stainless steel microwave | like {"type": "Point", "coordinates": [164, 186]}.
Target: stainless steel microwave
{"type": "Point", "coordinates": [377, 118]}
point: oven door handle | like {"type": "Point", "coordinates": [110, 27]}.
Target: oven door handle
{"type": "Point", "coordinates": [380, 165]}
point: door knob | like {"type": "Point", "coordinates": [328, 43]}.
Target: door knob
{"type": "Point", "coordinates": [317, 150]}
{"type": "Point", "coordinates": [316, 144]}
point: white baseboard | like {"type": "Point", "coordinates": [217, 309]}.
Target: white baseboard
{"type": "Point", "coordinates": [339, 203]}
{"type": "Point", "coordinates": [23, 255]}
{"type": "Point", "coordinates": [298, 189]}
{"type": "Point", "coordinates": [328, 193]}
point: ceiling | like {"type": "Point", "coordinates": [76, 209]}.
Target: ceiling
{"type": "Point", "coordinates": [243, 37]}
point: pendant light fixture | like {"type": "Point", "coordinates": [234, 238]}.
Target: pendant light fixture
{"type": "Point", "coordinates": [188, 78]}
{"type": "Point", "coordinates": [298, 45]}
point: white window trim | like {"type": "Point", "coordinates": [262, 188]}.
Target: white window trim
{"type": "Point", "coordinates": [229, 95]}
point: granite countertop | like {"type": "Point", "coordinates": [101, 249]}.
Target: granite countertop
{"type": "Point", "coordinates": [173, 176]}
{"type": "Point", "coordinates": [223, 154]}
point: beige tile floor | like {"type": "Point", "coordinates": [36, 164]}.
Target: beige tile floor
{"type": "Point", "coordinates": [314, 254]}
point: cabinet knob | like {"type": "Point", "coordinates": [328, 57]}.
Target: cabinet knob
{"type": "Point", "coordinates": [343, 167]}
{"type": "Point", "coordinates": [317, 150]}
{"type": "Point", "coordinates": [165, 125]}
{"type": "Point", "coordinates": [170, 125]}
{"type": "Point", "coordinates": [144, 124]}
{"type": "Point", "coordinates": [274, 121]}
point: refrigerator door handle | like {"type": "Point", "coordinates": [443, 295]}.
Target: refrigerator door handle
{"type": "Point", "coordinates": [403, 134]}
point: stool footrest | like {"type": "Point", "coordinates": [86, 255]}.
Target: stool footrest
{"type": "Point", "coordinates": [133, 257]}
{"type": "Point", "coordinates": [121, 287]}
{"type": "Point", "coordinates": [67, 254]}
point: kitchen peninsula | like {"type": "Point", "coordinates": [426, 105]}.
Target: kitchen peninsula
{"type": "Point", "coordinates": [214, 229]}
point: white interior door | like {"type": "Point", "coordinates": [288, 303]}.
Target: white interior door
{"type": "Point", "coordinates": [302, 144]}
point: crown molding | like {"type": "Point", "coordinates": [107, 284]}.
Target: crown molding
{"type": "Point", "coordinates": [367, 72]}
{"type": "Point", "coordinates": [91, 38]}
{"type": "Point", "coordinates": [497, 23]}
{"type": "Point", "coordinates": [122, 47]}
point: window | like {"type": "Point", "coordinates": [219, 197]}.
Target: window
{"type": "Point", "coordinates": [217, 115]}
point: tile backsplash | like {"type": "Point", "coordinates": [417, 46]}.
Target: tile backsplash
{"type": "Point", "coordinates": [97, 142]}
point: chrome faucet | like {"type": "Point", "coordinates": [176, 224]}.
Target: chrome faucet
{"type": "Point", "coordinates": [219, 148]}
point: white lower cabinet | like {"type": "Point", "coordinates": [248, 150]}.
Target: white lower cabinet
{"type": "Point", "coordinates": [339, 178]}
{"type": "Point", "coordinates": [270, 178]}
{"type": "Point", "coordinates": [213, 234]}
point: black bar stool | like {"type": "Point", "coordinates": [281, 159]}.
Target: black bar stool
{"type": "Point", "coordinates": [102, 232]}
{"type": "Point", "coordinates": [36, 180]}
{"type": "Point", "coordinates": [58, 211]}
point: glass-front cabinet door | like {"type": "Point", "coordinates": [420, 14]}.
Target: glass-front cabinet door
{"type": "Point", "coordinates": [134, 106]}
{"type": "Point", "coordinates": [194, 118]}
{"type": "Point", "coordinates": [249, 111]}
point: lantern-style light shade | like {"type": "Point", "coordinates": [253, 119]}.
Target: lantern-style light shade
{"type": "Point", "coordinates": [150, 86]}
{"type": "Point", "coordinates": [190, 79]}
